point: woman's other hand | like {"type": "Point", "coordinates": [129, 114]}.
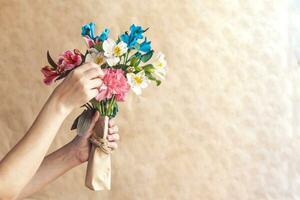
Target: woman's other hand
{"type": "Point", "coordinates": [81, 145]}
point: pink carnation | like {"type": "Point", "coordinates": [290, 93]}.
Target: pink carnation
{"type": "Point", "coordinates": [49, 74]}
{"type": "Point", "coordinates": [68, 60]}
{"type": "Point", "coordinates": [114, 83]}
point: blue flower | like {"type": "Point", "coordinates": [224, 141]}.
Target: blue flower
{"type": "Point", "coordinates": [145, 46]}
{"type": "Point", "coordinates": [88, 30]}
{"type": "Point", "coordinates": [136, 33]}
{"type": "Point", "coordinates": [104, 35]}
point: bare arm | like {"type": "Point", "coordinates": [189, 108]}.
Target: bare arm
{"type": "Point", "coordinates": [53, 166]}
{"type": "Point", "coordinates": [21, 163]}
{"type": "Point", "coordinates": [67, 157]}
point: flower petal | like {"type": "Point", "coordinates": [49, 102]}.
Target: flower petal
{"type": "Point", "coordinates": [137, 90]}
{"type": "Point", "coordinates": [89, 42]}
{"type": "Point", "coordinates": [112, 61]}
{"type": "Point", "coordinates": [108, 45]}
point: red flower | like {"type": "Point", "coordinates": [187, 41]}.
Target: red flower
{"type": "Point", "coordinates": [49, 74]}
{"type": "Point", "coordinates": [68, 60]}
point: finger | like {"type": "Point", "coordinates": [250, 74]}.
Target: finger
{"type": "Point", "coordinates": [92, 125]}
{"type": "Point", "coordinates": [111, 123]}
{"type": "Point", "coordinates": [113, 145]}
{"type": "Point", "coordinates": [113, 137]}
{"type": "Point", "coordinates": [94, 72]}
{"type": "Point", "coordinates": [92, 93]}
{"type": "Point", "coordinates": [95, 83]}
{"type": "Point", "coordinates": [113, 130]}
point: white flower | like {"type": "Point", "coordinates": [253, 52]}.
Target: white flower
{"type": "Point", "coordinates": [160, 66]}
{"type": "Point", "coordinates": [113, 51]}
{"type": "Point", "coordinates": [138, 82]}
{"type": "Point", "coordinates": [95, 56]}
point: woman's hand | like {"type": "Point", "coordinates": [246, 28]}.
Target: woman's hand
{"type": "Point", "coordinates": [78, 87]}
{"type": "Point", "coordinates": [81, 145]}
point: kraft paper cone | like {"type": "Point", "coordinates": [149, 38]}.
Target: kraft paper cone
{"type": "Point", "coordinates": [98, 174]}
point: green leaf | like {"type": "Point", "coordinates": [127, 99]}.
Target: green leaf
{"type": "Point", "coordinates": [50, 61]}
{"type": "Point", "coordinates": [152, 78]}
{"type": "Point", "coordinates": [147, 56]}
{"type": "Point", "coordinates": [137, 69]}
{"type": "Point", "coordinates": [121, 66]}
{"type": "Point", "coordinates": [98, 46]}
{"type": "Point", "coordinates": [145, 30]}
{"type": "Point", "coordinates": [137, 55]}
{"type": "Point", "coordinates": [134, 61]}
{"type": "Point", "coordinates": [158, 82]}
{"type": "Point", "coordinates": [148, 68]}
{"type": "Point", "coordinates": [84, 121]}
{"type": "Point", "coordinates": [104, 66]}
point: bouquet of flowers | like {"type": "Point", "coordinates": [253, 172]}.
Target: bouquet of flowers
{"type": "Point", "coordinates": [126, 63]}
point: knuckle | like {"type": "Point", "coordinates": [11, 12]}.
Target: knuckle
{"type": "Point", "coordinates": [81, 81]}
{"type": "Point", "coordinates": [81, 85]}
{"type": "Point", "coordinates": [112, 122]}
{"type": "Point", "coordinates": [111, 130]}
{"type": "Point", "coordinates": [109, 137]}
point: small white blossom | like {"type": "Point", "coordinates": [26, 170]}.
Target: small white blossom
{"type": "Point", "coordinates": [160, 66]}
{"type": "Point", "coordinates": [137, 82]}
{"type": "Point", "coordinates": [113, 51]}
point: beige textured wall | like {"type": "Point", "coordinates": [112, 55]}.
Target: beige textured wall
{"type": "Point", "coordinates": [222, 127]}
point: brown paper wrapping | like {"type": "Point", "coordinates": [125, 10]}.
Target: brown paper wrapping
{"type": "Point", "coordinates": [98, 173]}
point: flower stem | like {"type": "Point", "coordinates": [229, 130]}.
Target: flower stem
{"type": "Point", "coordinates": [126, 57]}
{"type": "Point", "coordinates": [106, 107]}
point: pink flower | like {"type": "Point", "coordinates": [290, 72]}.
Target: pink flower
{"type": "Point", "coordinates": [90, 43]}
{"type": "Point", "coordinates": [49, 74]}
{"type": "Point", "coordinates": [68, 60]}
{"type": "Point", "coordinates": [114, 83]}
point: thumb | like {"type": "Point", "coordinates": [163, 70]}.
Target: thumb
{"type": "Point", "coordinates": [92, 125]}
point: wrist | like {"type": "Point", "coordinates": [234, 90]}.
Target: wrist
{"type": "Point", "coordinates": [72, 154]}
{"type": "Point", "coordinates": [57, 102]}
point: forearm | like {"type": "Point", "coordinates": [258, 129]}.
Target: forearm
{"type": "Point", "coordinates": [22, 162]}
{"type": "Point", "coordinates": [53, 166]}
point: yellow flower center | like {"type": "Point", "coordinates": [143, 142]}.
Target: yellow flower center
{"type": "Point", "coordinates": [137, 80]}
{"type": "Point", "coordinates": [159, 65]}
{"type": "Point", "coordinates": [117, 51]}
{"type": "Point", "coordinates": [99, 60]}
